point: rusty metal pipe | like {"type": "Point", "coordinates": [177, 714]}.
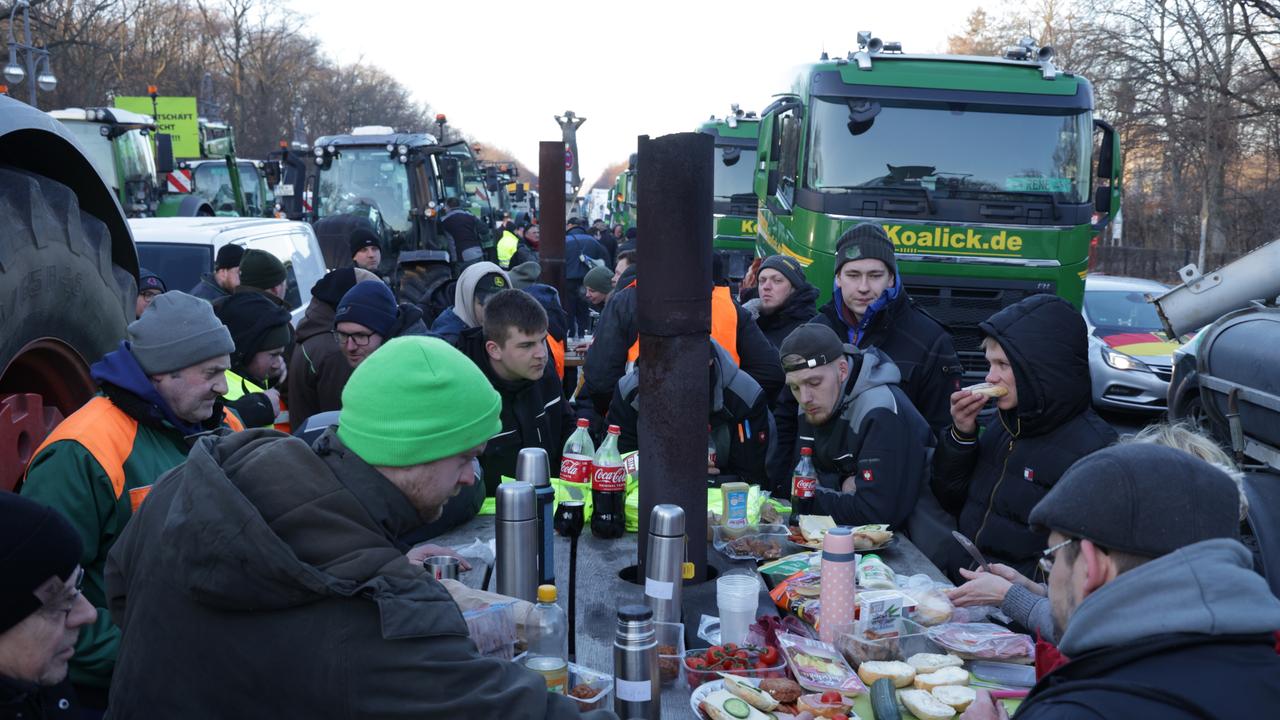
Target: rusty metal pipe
{"type": "Point", "coordinates": [673, 309]}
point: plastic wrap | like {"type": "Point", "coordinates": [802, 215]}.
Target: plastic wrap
{"type": "Point", "coordinates": [984, 641]}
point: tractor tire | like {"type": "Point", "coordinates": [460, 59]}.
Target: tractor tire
{"type": "Point", "coordinates": [63, 305]}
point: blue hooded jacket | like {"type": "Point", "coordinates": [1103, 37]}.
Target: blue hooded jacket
{"type": "Point", "coordinates": [121, 369]}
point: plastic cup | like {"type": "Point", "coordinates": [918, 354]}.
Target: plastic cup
{"type": "Point", "coordinates": [737, 599]}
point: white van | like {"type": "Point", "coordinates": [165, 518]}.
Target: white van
{"type": "Point", "coordinates": [180, 250]}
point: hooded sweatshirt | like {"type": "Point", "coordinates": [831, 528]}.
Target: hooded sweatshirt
{"type": "Point", "coordinates": [454, 320]}
{"type": "Point", "coordinates": [992, 483]}
{"type": "Point", "coordinates": [799, 308]}
{"type": "Point", "coordinates": [132, 422]}
{"type": "Point", "coordinates": [268, 580]}
{"type": "Point", "coordinates": [874, 436]}
{"type": "Point", "coordinates": [317, 369]}
{"type": "Point", "coordinates": [1186, 635]}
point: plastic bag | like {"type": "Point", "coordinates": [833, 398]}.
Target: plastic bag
{"type": "Point", "coordinates": [819, 667]}
{"type": "Point", "coordinates": [478, 550]}
{"type": "Point", "coordinates": [984, 641]}
{"type": "Point", "coordinates": [933, 607]}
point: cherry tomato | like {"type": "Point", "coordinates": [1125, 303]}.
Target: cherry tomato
{"type": "Point", "coordinates": [840, 717]}
{"type": "Point", "coordinates": [731, 648]}
{"type": "Point", "coordinates": [740, 654]}
{"type": "Point", "coordinates": [697, 663]}
{"type": "Point", "coordinates": [770, 656]}
{"type": "Point", "coordinates": [831, 697]}
{"type": "Point", "coordinates": [762, 665]}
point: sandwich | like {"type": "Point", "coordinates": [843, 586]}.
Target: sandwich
{"type": "Point", "coordinates": [945, 676]}
{"type": "Point", "coordinates": [933, 662]}
{"type": "Point", "coordinates": [899, 672]}
{"type": "Point", "coordinates": [925, 706]}
{"type": "Point", "coordinates": [989, 390]}
{"type": "Point", "coordinates": [957, 696]}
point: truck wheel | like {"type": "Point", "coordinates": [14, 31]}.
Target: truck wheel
{"type": "Point", "coordinates": [63, 304]}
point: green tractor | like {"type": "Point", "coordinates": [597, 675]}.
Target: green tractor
{"type": "Point", "coordinates": [733, 195]}
{"type": "Point", "coordinates": [991, 175]}
{"type": "Point", "coordinates": [622, 206]}
{"type": "Point", "coordinates": [232, 186]}
{"type": "Point", "coordinates": [119, 145]}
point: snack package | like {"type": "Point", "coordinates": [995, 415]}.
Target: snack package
{"type": "Point", "coordinates": [984, 641]}
{"type": "Point", "coordinates": [798, 595]}
{"type": "Point", "coordinates": [775, 571]}
{"type": "Point", "coordinates": [819, 667]}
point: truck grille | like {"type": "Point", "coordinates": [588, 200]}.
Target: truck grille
{"type": "Point", "coordinates": [961, 303]}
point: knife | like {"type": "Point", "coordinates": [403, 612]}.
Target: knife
{"type": "Point", "coordinates": [972, 549]}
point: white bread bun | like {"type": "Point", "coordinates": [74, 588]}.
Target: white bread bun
{"type": "Point", "coordinates": [945, 676]}
{"type": "Point", "coordinates": [933, 662]}
{"type": "Point", "coordinates": [899, 672]}
{"type": "Point", "coordinates": [991, 391]}
{"type": "Point", "coordinates": [925, 706]}
{"type": "Point", "coordinates": [957, 696]}
{"type": "Point", "coordinates": [754, 696]}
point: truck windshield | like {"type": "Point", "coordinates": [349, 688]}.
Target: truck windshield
{"type": "Point", "coordinates": [958, 149]}
{"type": "Point", "coordinates": [97, 148]}
{"type": "Point", "coordinates": [137, 161]}
{"type": "Point", "coordinates": [213, 183]}
{"type": "Point", "coordinates": [369, 182]}
{"type": "Point", "coordinates": [733, 176]}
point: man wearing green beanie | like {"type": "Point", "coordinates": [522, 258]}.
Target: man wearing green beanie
{"type": "Point", "coordinates": [263, 273]}
{"type": "Point", "coordinates": [261, 541]}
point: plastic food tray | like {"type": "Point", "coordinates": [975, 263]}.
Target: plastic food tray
{"type": "Point", "coordinates": [602, 683]}
{"type": "Point", "coordinates": [773, 533]}
{"type": "Point", "coordinates": [857, 648]}
{"type": "Point", "coordinates": [670, 667]}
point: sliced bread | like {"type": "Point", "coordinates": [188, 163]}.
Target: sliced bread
{"type": "Point", "coordinates": [925, 706]}
{"type": "Point", "coordinates": [957, 696]}
{"type": "Point", "coordinates": [945, 676]}
{"type": "Point", "coordinates": [933, 662]}
{"type": "Point", "coordinates": [899, 672]}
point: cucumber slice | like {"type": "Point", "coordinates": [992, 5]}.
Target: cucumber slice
{"type": "Point", "coordinates": [737, 708]}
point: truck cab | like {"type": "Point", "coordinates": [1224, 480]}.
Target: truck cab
{"type": "Point", "coordinates": [733, 201]}
{"type": "Point", "coordinates": [118, 144]}
{"type": "Point", "coordinates": [232, 187]}
{"type": "Point", "coordinates": [989, 174]}
{"type": "Point", "coordinates": [393, 179]}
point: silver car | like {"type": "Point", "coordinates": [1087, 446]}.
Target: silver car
{"type": "Point", "coordinates": [1130, 355]}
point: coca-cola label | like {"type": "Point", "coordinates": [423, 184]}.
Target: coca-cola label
{"type": "Point", "coordinates": [575, 468]}
{"type": "Point", "coordinates": [803, 487]}
{"type": "Point", "coordinates": [609, 478]}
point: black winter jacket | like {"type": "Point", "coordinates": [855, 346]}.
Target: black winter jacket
{"type": "Point", "coordinates": [268, 580]}
{"type": "Point", "coordinates": [919, 345]}
{"type": "Point", "coordinates": [618, 329]}
{"type": "Point", "coordinates": [799, 309]}
{"type": "Point", "coordinates": [208, 289]}
{"type": "Point", "coordinates": [317, 369]}
{"type": "Point", "coordinates": [27, 701]}
{"type": "Point", "coordinates": [992, 484]}
{"type": "Point", "coordinates": [738, 416]}
{"type": "Point", "coordinates": [534, 414]}
{"type": "Point", "coordinates": [464, 228]}
{"type": "Point", "coordinates": [876, 437]}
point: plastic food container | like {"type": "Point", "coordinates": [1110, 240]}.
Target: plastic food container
{"type": "Point", "coordinates": [762, 542]}
{"type": "Point", "coordinates": [913, 638]}
{"type": "Point", "coordinates": [493, 629]}
{"type": "Point", "coordinates": [670, 665]}
{"type": "Point", "coordinates": [698, 676]}
{"type": "Point", "coordinates": [600, 684]}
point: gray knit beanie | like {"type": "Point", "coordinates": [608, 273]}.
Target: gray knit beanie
{"type": "Point", "coordinates": [177, 331]}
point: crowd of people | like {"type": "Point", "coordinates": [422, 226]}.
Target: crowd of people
{"type": "Point", "coordinates": [237, 480]}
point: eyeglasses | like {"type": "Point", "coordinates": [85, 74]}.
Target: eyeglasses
{"type": "Point", "coordinates": [1046, 558]}
{"type": "Point", "coordinates": [360, 339]}
{"type": "Point", "coordinates": [65, 603]}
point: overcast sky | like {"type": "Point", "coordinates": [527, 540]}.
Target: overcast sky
{"type": "Point", "coordinates": [501, 70]}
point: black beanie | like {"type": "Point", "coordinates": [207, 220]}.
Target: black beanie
{"type": "Point", "coordinates": [788, 267]}
{"type": "Point", "coordinates": [256, 324]}
{"type": "Point", "coordinates": [260, 269]}
{"type": "Point", "coordinates": [362, 238]}
{"type": "Point", "coordinates": [228, 257]}
{"type": "Point", "coordinates": [334, 285]}
{"type": "Point", "coordinates": [36, 543]}
{"type": "Point", "coordinates": [865, 241]}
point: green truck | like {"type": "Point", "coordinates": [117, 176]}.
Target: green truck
{"type": "Point", "coordinates": [733, 195]}
{"type": "Point", "coordinates": [991, 175]}
{"type": "Point", "coordinates": [119, 145]}
{"type": "Point", "coordinates": [622, 206]}
{"type": "Point", "coordinates": [232, 186]}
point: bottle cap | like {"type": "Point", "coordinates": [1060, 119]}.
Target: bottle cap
{"type": "Point", "coordinates": [806, 451]}
{"type": "Point", "coordinates": [615, 430]}
{"type": "Point", "coordinates": [546, 593]}
{"type": "Point", "coordinates": [584, 423]}
{"type": "Point", "coordinates": [634, 613]}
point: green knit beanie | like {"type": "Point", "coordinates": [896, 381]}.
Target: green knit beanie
{"type": "Point", "coordinates": [415, 400]}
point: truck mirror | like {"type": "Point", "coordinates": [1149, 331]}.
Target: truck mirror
{"type": "Point", "coordinates": [1102, 199]}
{"type": "Point", "coordinates": [271, 169]}
{"type": "Point", "coordinates": [491, 179]}
{"type": "Point", "coordinates": [164, 153]}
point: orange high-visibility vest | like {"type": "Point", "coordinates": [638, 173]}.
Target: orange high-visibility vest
{"type": "Point", "coordinates": [557, 354]}
{"type": "Point", "coordinates": [724, 324]}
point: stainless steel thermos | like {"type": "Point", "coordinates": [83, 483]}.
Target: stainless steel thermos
{"type": "Point", "coordinates": [517, 541]}
{"type": "Point", "coordinates": [636, 691]}
{"type": "Point", "coordinates": [533, 467]}
{"type": "Point", "coordinates": [664, 562]}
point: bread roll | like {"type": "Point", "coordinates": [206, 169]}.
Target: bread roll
{"type": "Point", "coordinates": [957, 696]}
{"type": "Point", "coordinates": [933, 662]}
{"type": "Point", "coordinates": [991, 391]}
{"type": "Point", "coordinates": [754, 696]}
{"type": "Point", "coordinates": [925, 706]}
{"type": "Point", "coordinates": [899, 672]}
{"type": "Point", "coordinates": [945, 676]}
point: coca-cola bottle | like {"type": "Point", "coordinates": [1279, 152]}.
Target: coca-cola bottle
{"type": "Point", "coordinates": [575, 461]}
{"type": "Point", "coordinates": [608, 489]}
{"type": "Point", "coordinates": [804, 485]}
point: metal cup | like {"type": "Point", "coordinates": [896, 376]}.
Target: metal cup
{"type": "Point", "coordinates": [442, 566]}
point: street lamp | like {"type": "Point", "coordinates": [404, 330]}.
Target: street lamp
{"type": "Point", "coordinates": [37, 64]}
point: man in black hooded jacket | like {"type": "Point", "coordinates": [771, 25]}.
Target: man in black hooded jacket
{"type": "Point", "coordinates": [1038, 350]}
